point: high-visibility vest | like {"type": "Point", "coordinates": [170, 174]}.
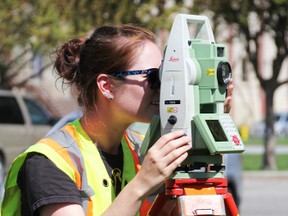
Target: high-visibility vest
{"type": "Point", "coordinates": [72, 151]}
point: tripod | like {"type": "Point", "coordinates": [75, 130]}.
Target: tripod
{"type": "Point", "coordinates": [195, 193]}
{"type": "Point", "coordinates": [198, 186]}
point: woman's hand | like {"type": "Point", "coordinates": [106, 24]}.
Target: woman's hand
{"type": "Point", "coordinates": [159, 163]}
{"type": "Point", "coordinates": [162, 159]}
{"type": "Point", "coordinates": [228, 100]}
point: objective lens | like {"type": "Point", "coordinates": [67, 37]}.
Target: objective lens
{"type": "Point", "coordinates": [224, 73]}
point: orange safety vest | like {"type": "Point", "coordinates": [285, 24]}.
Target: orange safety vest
{"type": "Point", "coordinates": [134, 139]}
{"type": "Point", "coordinates": [75, 154]}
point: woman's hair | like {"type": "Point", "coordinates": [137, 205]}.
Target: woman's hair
{"type": "Point", "coordinates": [108, 49]}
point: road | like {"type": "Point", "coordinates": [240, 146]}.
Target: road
{"type": "Point", "coordinates": [259, 149]}
{"type": "Point", "coordinates": [264, 193]}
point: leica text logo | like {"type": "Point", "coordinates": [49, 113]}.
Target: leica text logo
{"type": "Point", "coordinates": [173, 59]}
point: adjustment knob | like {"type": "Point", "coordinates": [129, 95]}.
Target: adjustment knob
{"type": "Point", "coordinates": [172, 119]}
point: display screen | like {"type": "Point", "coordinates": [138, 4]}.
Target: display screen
{"type": "Point", "coordinates": [172, 102]}
{"type": "Point", "coordinates": [216, 130]}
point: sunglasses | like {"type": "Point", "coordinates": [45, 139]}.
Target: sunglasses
{"type": "Point", "coordinates": [152, 76]}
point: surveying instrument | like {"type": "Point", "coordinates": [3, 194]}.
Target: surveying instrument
{"type": "Point", "coordinates": [194, 77]}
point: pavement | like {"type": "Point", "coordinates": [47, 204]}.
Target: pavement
{"type": "Point", "coordinates": [259, 149]}
{"type": "Point", "coordinates": [264, 193]}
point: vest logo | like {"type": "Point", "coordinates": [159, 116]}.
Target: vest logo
{"type": "Point", "coordinates": [173, 59]}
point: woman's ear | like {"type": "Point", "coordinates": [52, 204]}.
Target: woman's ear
{"type": "Point", "coordinates": [104, 83]}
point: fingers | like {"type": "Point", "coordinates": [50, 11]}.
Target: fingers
{"type": "Point", "coordinates": [228, 99]}
{"type": "Point", "coordinates": [176, 147]}
{"type": "Point", "coordinates": [168, 138]}
{"type": "Point", "coordinates": [176, 157]}
{"type": "Point", "coordinates": [170, 150]}
{"type": "Point", "coordinates": [230, 89]}
{"type": "Point", "coordinates": [227, 104]}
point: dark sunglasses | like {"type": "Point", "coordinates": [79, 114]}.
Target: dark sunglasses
{"type": "Point", "coordinates": [152, 76]}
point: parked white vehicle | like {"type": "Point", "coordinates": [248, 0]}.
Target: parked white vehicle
{"type": "Point", "coordinates": [23, 121]}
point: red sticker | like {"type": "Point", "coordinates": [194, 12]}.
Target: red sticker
{"type": "Point", "coordinates": [236, 140]}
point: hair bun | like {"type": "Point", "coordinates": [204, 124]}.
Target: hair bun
{"type": "Point", "coordinates": [67, 59]}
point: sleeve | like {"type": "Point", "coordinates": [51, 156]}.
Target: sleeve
{"type": "Point", "coordinates": [42, 183]}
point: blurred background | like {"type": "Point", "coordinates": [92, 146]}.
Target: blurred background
{"type": "Point", "coordinates": [255, 33]}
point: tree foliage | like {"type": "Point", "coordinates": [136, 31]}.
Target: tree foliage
{"type": "Point", "coordinates": [270, 17]}
{"type": "Point", "coordinates": [30, 27]}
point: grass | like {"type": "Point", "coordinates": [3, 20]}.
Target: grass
{"type": "Point", "coordinates": [255, 161]}
{"type": "Point", "coordinates": [260, 141]}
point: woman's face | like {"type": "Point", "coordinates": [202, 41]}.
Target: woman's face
{"type": "Point", "coordinates": [136, 101]}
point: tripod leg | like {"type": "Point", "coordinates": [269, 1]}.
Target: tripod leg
{"type": "Point", "coordinates": [164, 206]}
{"type": "Point", "coordinates": [230, 206]}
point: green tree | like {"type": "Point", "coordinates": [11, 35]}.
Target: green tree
{"type": "Point", "coordinates": [30, 28]}
{"type": "Point", "coordinates": [272, 18]}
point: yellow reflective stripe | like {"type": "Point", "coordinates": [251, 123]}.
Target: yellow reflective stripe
{"type": "Point", "coordinates": [95, 170]}
{"type": "Point", "coordinates": [129, 169]}
{"type": "Point", "coordinates": [57, 159]}
{"type": "Point", "coordinates": [11, 202]}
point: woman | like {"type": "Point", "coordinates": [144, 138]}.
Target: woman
{"type": "Point", "coordinates": [87, 167]}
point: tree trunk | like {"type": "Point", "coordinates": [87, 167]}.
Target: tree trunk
{"type": "Point", "coordinates": [269, 160]}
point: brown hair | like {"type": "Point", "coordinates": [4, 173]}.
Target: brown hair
{"type": "Point", "coordinates": [108, 49]}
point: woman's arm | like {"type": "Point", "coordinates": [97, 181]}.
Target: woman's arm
{"type": "Point", "coordinates": [62, 209]}
{"type": "Point", "coordinates": [159, 163]}
{"type": "Point", "coordinates": [44, 186]}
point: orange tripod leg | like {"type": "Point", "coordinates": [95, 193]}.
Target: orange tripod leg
{"type": "Point", "coordinates": [164, 206]}
{"type": "Point", "coordinates": [230, 206]}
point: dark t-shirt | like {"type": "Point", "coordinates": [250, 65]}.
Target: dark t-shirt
{"type": "Point", "coordinates": [114, 167]}
{"type": "Point", "coordinates": [42, 183]}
